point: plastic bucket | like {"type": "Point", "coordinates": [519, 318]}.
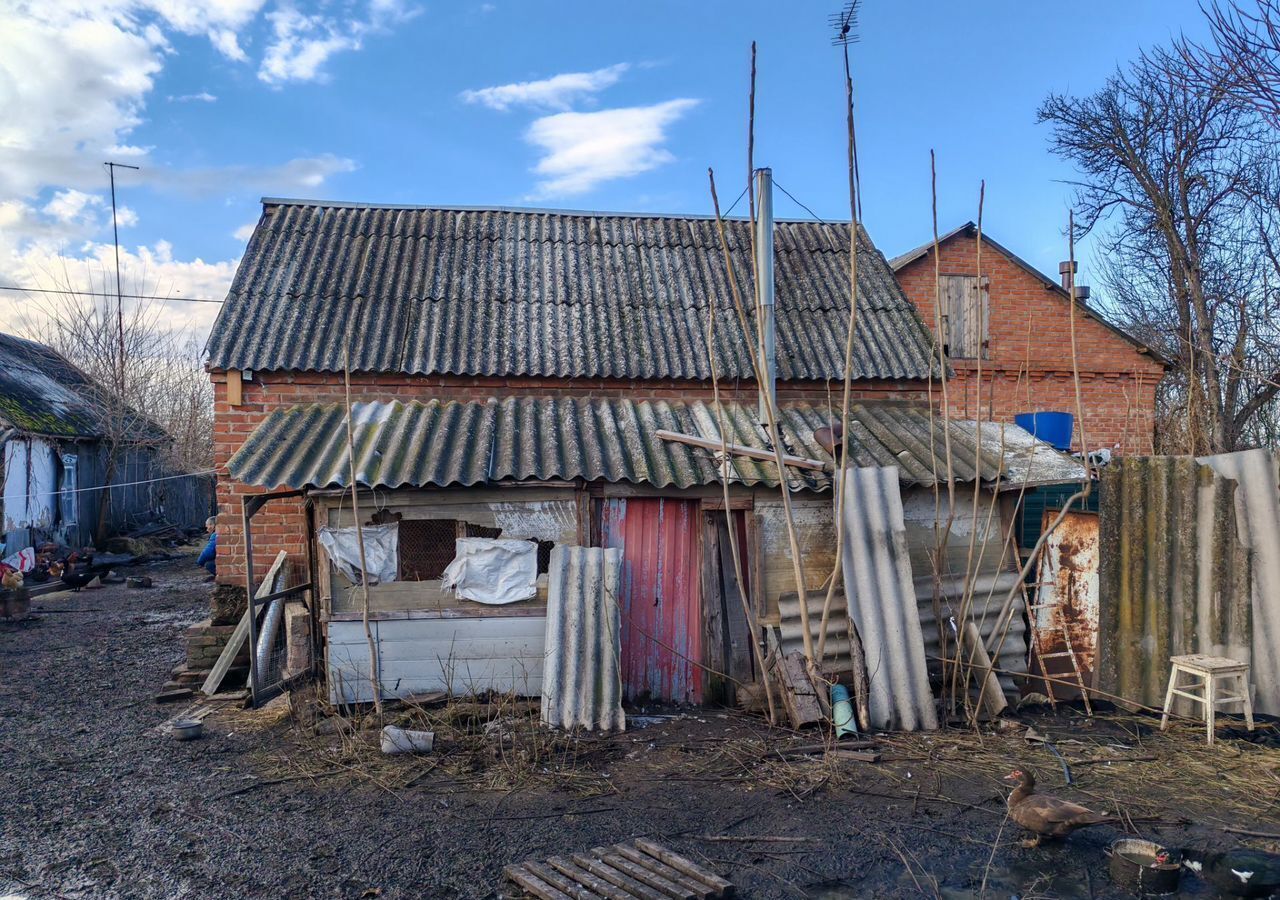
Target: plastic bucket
{"type": "Point", "coordinates": [1054, 428]}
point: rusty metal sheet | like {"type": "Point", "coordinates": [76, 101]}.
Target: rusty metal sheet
{"type": "Point", "coordinates": [1068, 599]}
{"type": "Point", "coordinates": [660, 596]}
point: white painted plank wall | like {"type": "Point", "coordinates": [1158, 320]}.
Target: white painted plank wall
{"type": "Point", "coordinates": [463, 656]}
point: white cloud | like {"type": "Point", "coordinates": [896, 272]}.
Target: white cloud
{"type": "Point", "coordinates": [55, 255]}
{"type": "Point", "coordinates": [244, 232]}
{"type": "Point", "coordinates": [303, 173]}
{"type": "Point", "coordinates": [70, 205]}
{"type": "Point", "coordinates": [201, 97]}
{"type": "Point", "coordinates": [557, 92]}
{"type": "Point", "coordinates": [584, 149]}
{"type": "Point", "coordinates": [302, 43]}
{"type": "Point", "coordinates": [126, 217]}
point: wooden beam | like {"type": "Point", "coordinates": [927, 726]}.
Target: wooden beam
{"type": "Point", "coordinates": [800, 462]}
{"type": "Point", "coordinates": [235, 390]}
{"type": "Point", "coordinates": [241, 634]}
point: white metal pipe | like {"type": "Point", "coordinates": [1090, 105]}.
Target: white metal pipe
{"type": "Point", "coordinates": [764, 285]}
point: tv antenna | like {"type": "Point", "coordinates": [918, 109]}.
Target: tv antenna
{"type": "Point", "coordinates": [845, 25]}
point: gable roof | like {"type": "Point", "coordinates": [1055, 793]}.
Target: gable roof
{"type": "Point", "coordinates": [507, 292]}
{"type": "Point", "coordinates": [463, 443]}
{"type": "Point", "coordinates": [42, 393]}
{"type": "Point", "coordinates": [970, 229]}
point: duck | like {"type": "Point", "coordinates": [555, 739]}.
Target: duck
{"type": "Point", "coordinates": [1044, 815]}
{"type": "Point", "coordinates": [1242, 872]}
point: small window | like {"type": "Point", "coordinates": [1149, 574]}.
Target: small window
{"type": "Point", "coordinates": [67, 505]}
{"type": "Point", "coordinates": [427, 546]}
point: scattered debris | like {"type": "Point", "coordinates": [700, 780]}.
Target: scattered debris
{"type": "Point", "coordinates": [138, 581]}
{"type": "Point", "coordinates": [402, 740]}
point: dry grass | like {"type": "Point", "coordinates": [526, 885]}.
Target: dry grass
{"type": "Point", "coordinates": [494, 743]}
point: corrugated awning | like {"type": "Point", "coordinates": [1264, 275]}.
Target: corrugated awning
{"type": "Point", "coordinates": [445, 443]}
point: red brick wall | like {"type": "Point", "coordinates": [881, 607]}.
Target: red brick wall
{"type": "Point", "coordinates": [281, 526]}
{"type": "Point", "coordinates": [1028, 366]}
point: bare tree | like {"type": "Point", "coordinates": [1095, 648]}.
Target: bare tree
{"type": "Point", "coordinates": [157, 398]}
{"type": "Point", "coordinates": [1242, 55]}
{"type": "Point", "coordinates": [1181, 182]}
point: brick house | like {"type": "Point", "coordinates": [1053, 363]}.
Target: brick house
{"type": "Point", "coordinates": [1016, 328]}
{"type": "Point", "coordinates": [509, 372]}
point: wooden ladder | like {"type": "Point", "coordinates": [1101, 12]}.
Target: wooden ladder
{"type": "Point", "coordinates": [1068, 653]}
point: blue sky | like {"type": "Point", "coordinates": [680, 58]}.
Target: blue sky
{"type": "Point", "coordinates": [566, 105]}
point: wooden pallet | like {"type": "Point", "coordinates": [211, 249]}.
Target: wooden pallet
{"type": "Point", "coordinates": [639, 868]}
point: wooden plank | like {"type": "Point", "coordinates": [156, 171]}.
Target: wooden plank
{"type": "Point", "coordinates": [586, 879]}
{"type": "Point", "coordinates": [803, 706]}
{"type": "Point", "coordinates": [741, 659]}
{"type": "Point", "coordinates": [617, 877]}
{"type": "Point", "coordinates": [235, 391]}
{"type": "Point", "coordinates": [993, 699]}
{"type": "Point", "coordinates": [685, 865]}
{"type": "Point", "coordinates": [664, 886]}
{"type": "Point", "coordinates": [241, 634]}
{"type": "Point", "coordinates": [700, 890]}
{"type": "Point", "coordinates": [523, 610]}
{"type": "Point", "coordinates": [800, 462]}
{"type": "Point", "coordinates": [532, 884]}
{"type": "Point", "coordinates": [567, 885]}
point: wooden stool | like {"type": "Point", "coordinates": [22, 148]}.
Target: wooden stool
{"type": "Point", "coordinates": [1209, 670]}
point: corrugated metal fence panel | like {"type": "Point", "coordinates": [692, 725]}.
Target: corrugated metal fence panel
{"type": "Point", "coordinates": [1175, 577]}
{"type": "Point", "coordinates": [989, 590]}
{"type": "Point", "coordinates": [881, 601]}
{"type": "Point", "coordinates": [660, 596]}
{"type": "Point", "coordinates": [581, 681]}
{"type": "Point", "coordinates": [1068, 599]}
{"type": "Point", "coordinates": [1258, 523]}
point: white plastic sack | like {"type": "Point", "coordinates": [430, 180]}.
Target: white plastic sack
{"type": "Point", "coordinates": [493, 570]}
{"type": "Point", "coordinates": [381, 551]}
{"type": "Point", "coordinates": [24, 560]}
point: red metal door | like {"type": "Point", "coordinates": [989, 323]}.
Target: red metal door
{"type": "Point", "coordinates": [660, 596]}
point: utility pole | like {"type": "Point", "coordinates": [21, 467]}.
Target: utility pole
{"type": "Point", "coordinates": [115, 234]}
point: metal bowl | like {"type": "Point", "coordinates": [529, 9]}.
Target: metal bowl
{"type": "Point", "coordinates": [1137, 865]}
{"type": "Point", "coordinates": [187, 729]}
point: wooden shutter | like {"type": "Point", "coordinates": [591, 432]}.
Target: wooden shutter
{"type": "Point", "coordinates": [965, 315]}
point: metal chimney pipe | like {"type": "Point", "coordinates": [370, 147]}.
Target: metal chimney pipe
{"type": "Point", "coordinates": [764, 286]}
{"type": "Point", "coordinates": [1066, 272]}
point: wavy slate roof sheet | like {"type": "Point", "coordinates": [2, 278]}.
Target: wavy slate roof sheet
{"type": "Point", "coordinates": [557, 294]}
{"type": "Point", "coordinates": [518, 438]}
{"type": "Point", "coordinates": [42, 393]}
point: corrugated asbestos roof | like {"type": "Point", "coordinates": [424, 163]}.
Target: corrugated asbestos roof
{"type": "Point", "coordinates": [42, 393]}
{"type": "Point", "coordinates": [582, 676]}
{"type": "Point", "coordinates": [540, 438]}
{"type": "Point", "coordinates": [540, 293]}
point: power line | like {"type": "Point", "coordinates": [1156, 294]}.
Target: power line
{"type": "Point", "coordinates": [799, 204]}
{"type": "Point", "coordinates": [27, 290]}
{"type": "Point", "coordinates": [101, 487]}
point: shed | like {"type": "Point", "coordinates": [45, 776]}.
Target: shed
{"type": "Point", "coordinates": [52, 431]}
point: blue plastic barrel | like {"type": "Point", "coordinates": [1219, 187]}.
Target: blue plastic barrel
{"type": "Point", "coordinates": [1054, 428]}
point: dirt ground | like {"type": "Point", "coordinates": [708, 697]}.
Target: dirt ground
{"type": "Point", "coordinates": [95, 803]}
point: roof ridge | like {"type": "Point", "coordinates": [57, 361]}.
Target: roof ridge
{"type": "Point", "coordinates": [531, 210]}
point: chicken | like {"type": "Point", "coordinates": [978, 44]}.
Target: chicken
{"type": "Point", "coordinates": [10, 578]}
{"type": "Point", "coordinates": [1045, 815]}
